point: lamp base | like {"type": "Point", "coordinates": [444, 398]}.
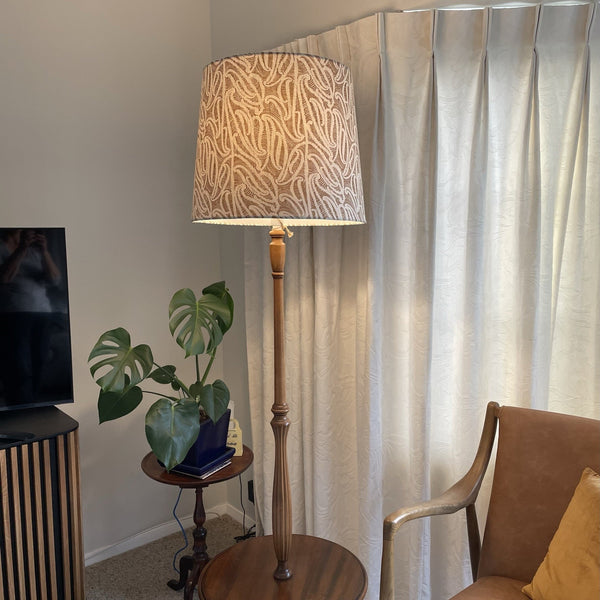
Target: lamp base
{"type": "Point", "coordinates": [282, 572]}
{"type": "Point", "coordinates": [322, 569]}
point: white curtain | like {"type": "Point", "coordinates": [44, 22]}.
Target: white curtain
{"type": "Point", "coordinates": [476, 278]}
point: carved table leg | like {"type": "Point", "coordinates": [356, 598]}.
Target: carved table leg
{"type": "Point", "coordinates": [186, 563]}
{"type": "Point", "coordinates": [200, 556]}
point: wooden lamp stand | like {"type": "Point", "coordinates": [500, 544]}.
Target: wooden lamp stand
{"type": "Point", "coordinates": [282, 500]}
{"type": "Point", "coordinates": [321, 568]}
{"type": "Point", "coordinates": [277, 139]}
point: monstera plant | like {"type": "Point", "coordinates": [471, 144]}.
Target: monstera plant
{"type": "Point", "coordinates": [173, 421]}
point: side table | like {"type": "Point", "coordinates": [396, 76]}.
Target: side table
{"type": "Point", "coordinates": [194, 564]}
{"type": "Point", "coordinates": [321, 570]}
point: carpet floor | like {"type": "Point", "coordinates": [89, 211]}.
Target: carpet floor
{"type": "Point", "coordinates": [143, 573]}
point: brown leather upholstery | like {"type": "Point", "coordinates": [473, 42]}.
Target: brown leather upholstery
{"type": "Point", "coordinates": [493, 588]}
{"type": "Point", "coordinates": [539, 461]}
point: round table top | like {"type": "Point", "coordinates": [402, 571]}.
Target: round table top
{"type": "Point", "coordinates": [156, 471]}
{"type": "Point", "coordinates": [321, 570]}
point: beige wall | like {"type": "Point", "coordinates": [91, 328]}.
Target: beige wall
{"type": "Point", "coordinates": [98, 114]}
{"type": "Point", "coordinates": [248, 26]}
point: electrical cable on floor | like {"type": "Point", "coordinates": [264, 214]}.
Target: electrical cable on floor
{"type": "Point", "coordinates": [242, 505]}
{"type": "Point", "coordinates": [185, 538]}
{"type": "Point", "coordinates": [249, 533]}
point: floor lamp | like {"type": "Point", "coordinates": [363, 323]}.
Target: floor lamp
{"type": "Point", "coordinates": [277, 145]}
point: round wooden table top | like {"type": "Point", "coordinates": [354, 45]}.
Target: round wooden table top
{"type": "Point", "coordinates": [321, 570]}
{"type": "Point", "coordinates": [156, 471]}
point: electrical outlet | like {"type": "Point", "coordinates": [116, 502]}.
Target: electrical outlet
{"type": "Point", "coordinates": [251, 490]}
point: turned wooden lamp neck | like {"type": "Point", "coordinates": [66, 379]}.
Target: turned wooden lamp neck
{"type": "Point", "coordinates": [282, 500]}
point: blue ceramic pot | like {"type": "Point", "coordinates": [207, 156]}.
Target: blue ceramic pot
{"type": "Point", "coordinates": [211, 442]}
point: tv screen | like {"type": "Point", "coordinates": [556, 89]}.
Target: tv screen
{"type": "Point", "coordinates": [35, 340]}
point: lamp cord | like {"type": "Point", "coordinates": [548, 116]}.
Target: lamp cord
{"type": "Point", "coordinates": [181, 527]}
{"type": "Point", "coordinates": [249, 533]}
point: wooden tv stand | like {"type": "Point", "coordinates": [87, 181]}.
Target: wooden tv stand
{"type": "Point", "coordinates": [41, 549]}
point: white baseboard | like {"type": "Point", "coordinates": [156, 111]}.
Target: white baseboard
{"type": "Point", "coordinates": [159, 531]}
{"type": "Point", "coordinates": [237, 515]}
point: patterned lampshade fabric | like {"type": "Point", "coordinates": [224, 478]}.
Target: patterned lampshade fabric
{"type": "Point", "coordinates": [277, 140]}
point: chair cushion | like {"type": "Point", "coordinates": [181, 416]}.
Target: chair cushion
{"type": "Point", "coordinates": [493, 588]}
{"type": "Point", "coordinates": [571, 568]}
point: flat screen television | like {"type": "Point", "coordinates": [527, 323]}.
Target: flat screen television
{"type": "Point", "coordinates": [35, 340]}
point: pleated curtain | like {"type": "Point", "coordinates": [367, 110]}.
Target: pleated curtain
{"type": "Point", "coordinates": [476, 277]}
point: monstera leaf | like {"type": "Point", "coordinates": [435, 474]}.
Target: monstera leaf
{"type": "Point", "coordinates": [164, 374]}
{"type": "Point", "coordinates": [112, 405]}
{"type": "Point", "coordinates": [199, 324]}
{"type": "Point", "coordinates": [220, 291]}
{"type": "Point", "coordinates": [171, 429]}
{"type": "Point", "coordinates": [127, 366]}
{"type": "Point", "coordinates": [213, 398]}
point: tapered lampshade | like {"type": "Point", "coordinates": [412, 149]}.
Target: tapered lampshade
{"type": "Point", "coordinates": [277, 139]}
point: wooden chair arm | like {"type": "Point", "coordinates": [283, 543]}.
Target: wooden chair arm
{"type": "Point", "coordinates": [458, 496]}
{"type": "Point", "coordinates": [461, 495]}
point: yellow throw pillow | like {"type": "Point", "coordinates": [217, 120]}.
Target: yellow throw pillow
{"type": "Point", "coordinates": [571, 568]}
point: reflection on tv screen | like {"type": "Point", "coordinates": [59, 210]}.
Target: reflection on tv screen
{"type": "Point", "coordinates": [35, 341]}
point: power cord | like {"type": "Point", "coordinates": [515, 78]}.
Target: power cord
{"type": "Point", "coordinates": [247, 534]}
{"type": "Point", "coordinates": [185, 538]}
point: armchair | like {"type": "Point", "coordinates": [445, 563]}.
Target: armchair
{"type": "Point", "coordinates": [539, 461]}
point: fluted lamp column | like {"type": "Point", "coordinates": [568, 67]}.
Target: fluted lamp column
{"type": "Point", "coordinates": [278, 146]}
